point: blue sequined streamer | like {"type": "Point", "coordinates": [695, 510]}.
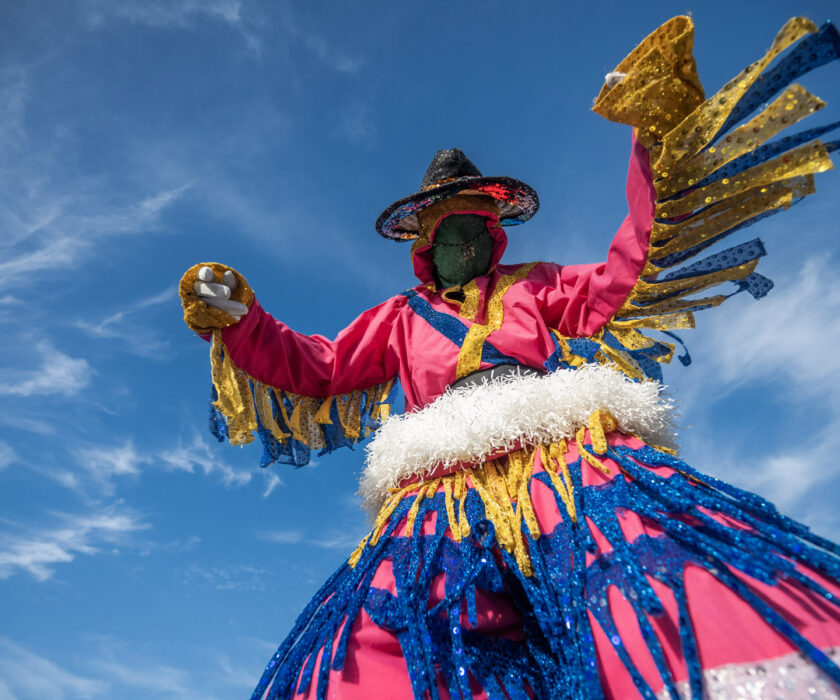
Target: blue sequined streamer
{"type": "Point", "coordinates": [293, 451]}
{"type": "Point", "coordinates": [807, 54]}
{"type": "Point", "coordinates": [731, 257]}
{"type": "Point", "coordinates": [453, 329]}
{"type": "Point", "coordinates": [218, 426]}
{"type": "Point", "coordinates": [766, 152]}
{"type": "Point", "coordinates": [558, 657]}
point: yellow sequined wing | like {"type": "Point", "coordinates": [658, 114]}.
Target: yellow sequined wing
{"type": "Point", "coordinates": [715, 172]}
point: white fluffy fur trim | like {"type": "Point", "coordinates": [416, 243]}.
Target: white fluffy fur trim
{"type": "Point", "coordinates": [469, 423]}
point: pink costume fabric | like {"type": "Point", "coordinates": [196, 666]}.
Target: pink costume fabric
{"type": "Point", "coordinates": [392, 339]}
{"type": "Point", "coordinates": [728, 631]}
{"type": "Point", "coordinates": [536, 536]}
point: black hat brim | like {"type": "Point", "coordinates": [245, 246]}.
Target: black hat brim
{"type": "Point", "coordinates": [520, 203]}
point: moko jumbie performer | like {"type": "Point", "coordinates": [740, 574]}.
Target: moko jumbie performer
{"type": "Point", "coordinates": [535, 533]}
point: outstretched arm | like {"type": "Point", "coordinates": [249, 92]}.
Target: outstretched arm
{"type": "Point", "coordinates": [297, 392]}
{"type": "Point", "coordinates": [360, 356]}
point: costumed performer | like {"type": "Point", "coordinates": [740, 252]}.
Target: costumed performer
{"type": "Point", "coordinates": [535, 533]}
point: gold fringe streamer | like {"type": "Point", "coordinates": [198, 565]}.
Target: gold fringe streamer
{"type": "Point", "coordinates": [504, 488]}
{"type": "Point", "coordinates": [661, 86]}
{"type": "Point", "coordinates": [662, 98]}
{"type": "Point", "coordinates": [242, 398]}
{"type": "Point", "coordinates": [807, 159]}
{"type": "Point", "coordinates": [795, 103]}
{"type": "Point", "coordinates": [469, 357]}
{"type": "Point", "coordinates": [703, 123]}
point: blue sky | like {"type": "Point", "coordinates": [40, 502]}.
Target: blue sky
{"type": "Point", "coordinates": [137, 557]}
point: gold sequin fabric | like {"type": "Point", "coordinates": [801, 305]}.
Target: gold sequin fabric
{"type": "Point", "coordinates": [701, 197]}
{"type": "Point", "coordinates": [662, 85]}
{"type": "Point", "coordinates": [241, 399]}
{"type": "Point", "coordinates": [503, 485]}
{"type": "Point", "coordinates": [469, 357]}
{"type": "Point", "coordinates": [201, 317]}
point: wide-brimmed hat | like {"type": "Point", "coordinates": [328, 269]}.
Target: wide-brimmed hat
{"type": "Point", "coordinates": [451, 173]}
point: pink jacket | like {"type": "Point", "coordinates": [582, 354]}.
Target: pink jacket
{"type": "Point", "coordinates": [402, 337]}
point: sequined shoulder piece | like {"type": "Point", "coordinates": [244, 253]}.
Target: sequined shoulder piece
{"type": "Point", "coordinates": [289, 425]}
{"type": "Point", "coordinates": [715, 169]}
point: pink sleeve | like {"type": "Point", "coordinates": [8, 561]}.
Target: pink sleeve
{"type": "Point", "coordinates": [580, 299]}
{"type": "Point", "coordinates": [361, 356]}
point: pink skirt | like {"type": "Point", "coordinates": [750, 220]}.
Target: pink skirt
{"type": "Point", "coordinates": [625, 574]}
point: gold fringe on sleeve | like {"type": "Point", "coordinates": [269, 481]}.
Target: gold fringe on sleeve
{"type": "Point", "coordinates": [243, 400]}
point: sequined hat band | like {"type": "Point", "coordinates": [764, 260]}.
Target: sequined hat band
{"type": "Point", "coordinates": [451, 173]}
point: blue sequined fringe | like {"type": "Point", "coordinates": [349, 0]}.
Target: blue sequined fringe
{"type": "Point", "coordinates": [557, 658]}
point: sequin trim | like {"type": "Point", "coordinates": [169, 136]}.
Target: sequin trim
{"type": "Point", "coordinates": [289, 425]}
{"type": "Point", "coordinates": [790, 677]}
{"type": "Point", "coordinates": [564, 581]}
{"type": "Point", "coordinates": [469, 424]}
{"type": "Point", "coordinates": [469, 357]}
{"type": "Point", "coordinates": [712, 177]}
{"type": "Point", "coordinates": [453, 328]}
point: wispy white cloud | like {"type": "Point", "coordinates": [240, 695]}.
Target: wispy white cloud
{"type": "Point", "coordinates": [37, 552]}
{"type": "Point", "coordinates": [6, 691]}
{"type": "Point", "coordinates": [344, 540]}
{"type": "Point", "coordinates": [272, 481]}
{"type": "Point", "coordinates": [282, 536]}
{"type": "Point", "coordinates": [70, 234]}
{"type": "Point", "coordinates": [785, 344]}
{"type": "Point", "coordinates": [100, 467]}
{"type": "Point", "coordinates": [164, 13]}
{"type": "Point", "coordinates": [122, 325]}
{"type": "Point", "coordinates": [14, 93]}
{"type": "Point", "coordinates": [179, 14]}
{"type": "Point", "coordinates": [58, 373]}
{"type": "Point", "coordinates": [356, 123]}
{"type": "Point", "coordinates": [32, 425]}
{"type": "Point", "coordinates": [7, 454]}
{"type": "Point", "coordinates": [106, 667]}
{"type": "Point", "coordinates": [142, 675]}
{"type": "Point", "coordinates": [233, 674]}
{"type": "Point", "coordinates": [53, 254]}
{"type": "Point", "coordinates": [25, 674]}
{"type": "Point", "coordinates": [103, 463]}
{"type": "Point", "coordinates": [328, 53]}
{"type": "Point", "coordinates": [199, 457]}
{"type": "Point", "coordinates": [178, 546]}
{"type": "Point", "coordinates": [789, 338]}
{"type": "Point", "coordinates": [229, 578]}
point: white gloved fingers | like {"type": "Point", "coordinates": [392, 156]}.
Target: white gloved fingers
{"type": "Point", "coordinates": [230, 279]}
{"type": "Point", "coordinates": [614, 78]}
{"type": "Point", "coordinates": [234, 308]}
{"type": "Point", "coordinates": [212, 290]}
{"type": "Point", "coordinates": [206, 274]}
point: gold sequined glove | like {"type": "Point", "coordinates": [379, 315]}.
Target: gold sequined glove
{"type": "Point", "coordinates": [656, 86]}
{"type": "Point", "coordinates": [214, 296]}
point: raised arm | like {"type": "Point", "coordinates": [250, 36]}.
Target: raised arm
{"type": "Point", "coordinates": [580, 299]}
{"type": "Point", "coordinates": [701, 170]}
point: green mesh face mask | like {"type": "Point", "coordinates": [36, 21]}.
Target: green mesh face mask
{"type": "Point", "coordinates": [461, 250]}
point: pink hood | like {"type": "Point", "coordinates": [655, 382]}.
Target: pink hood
{"type": "Point", "coordinates": [421, 251]}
